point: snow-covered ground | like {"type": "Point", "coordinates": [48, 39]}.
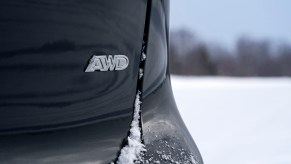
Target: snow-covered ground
{"type": "Point", "coordinates": [237, 120]}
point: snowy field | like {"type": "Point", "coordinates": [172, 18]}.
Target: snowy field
{"type": "Point", "coordinates": [237, 120]}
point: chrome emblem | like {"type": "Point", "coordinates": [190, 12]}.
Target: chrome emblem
{"type": "Point", "coordinates": [110, 63]}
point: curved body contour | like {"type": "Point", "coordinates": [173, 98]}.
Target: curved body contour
{"type": "Point", "coordinates": [54, 111]}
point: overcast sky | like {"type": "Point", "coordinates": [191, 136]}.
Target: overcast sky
{"type": "Point", "coordinates": [225, 20]}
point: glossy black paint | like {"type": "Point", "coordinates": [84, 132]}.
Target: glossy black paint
{"type": "Point", "coordinates": [165, 135]}
{"type": "Point", "coordinates": [51, 111]}
{"type": "Point", "coordinates": [157, 47]}
{"type": "Point", "coordinates": [46, 46]}
{"type": "Point", "coordinates": [96, 143]}
{"type": "Point", "coordinates": [54, 112]}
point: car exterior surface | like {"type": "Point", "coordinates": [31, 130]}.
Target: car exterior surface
{"type": "Point", "coordinates": [54, 111]}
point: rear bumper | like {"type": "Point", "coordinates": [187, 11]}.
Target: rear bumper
{"type": "Point", "coordinates": [166, 137]}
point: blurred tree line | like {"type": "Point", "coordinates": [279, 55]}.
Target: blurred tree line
{"type": "Point", "coordinates": [190, 56]}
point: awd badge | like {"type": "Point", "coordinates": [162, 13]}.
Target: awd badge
{"type": "Point", "coordinates": [110, 63]}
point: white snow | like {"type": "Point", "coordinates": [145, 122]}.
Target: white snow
{"type": "Point", "coordinates": [140, 73]}
{"type": "Point", "coordinates": [144, 56]}
{"type": "Point", "coordinates": [237, 120]}
{"type": "Point", "coordinates": [133, 151]}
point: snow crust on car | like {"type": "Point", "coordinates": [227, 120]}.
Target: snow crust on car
{"type": "Point", "coordinates": [133, 151]}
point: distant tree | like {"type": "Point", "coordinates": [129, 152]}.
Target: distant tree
{"type": "Point", "coordinates": [190, 56]}
{"type": "Point", "coordinates": [284, 60]}
{"type": "Point", "coordinates": [225, 62]}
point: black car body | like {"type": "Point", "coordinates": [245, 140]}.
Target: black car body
{"type": "Point", "coordinates": [53, 111]}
